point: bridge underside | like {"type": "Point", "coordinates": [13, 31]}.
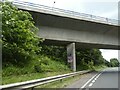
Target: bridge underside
{"type": "Point", "coordinates": [79, 45]}
{"type": "Point", "coordinates": [63, 30]}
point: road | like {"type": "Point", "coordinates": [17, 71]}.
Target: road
{"type": "Point", "coordinates": [108, 79]}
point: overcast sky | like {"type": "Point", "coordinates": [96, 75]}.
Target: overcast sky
{"type": "Point", "coordinates": [104, 8]}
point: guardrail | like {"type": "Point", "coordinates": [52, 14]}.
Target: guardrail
{"type": "Point", "coordinates": [66, 12]}
{"type": "Point", "coordinates": [33, 83]}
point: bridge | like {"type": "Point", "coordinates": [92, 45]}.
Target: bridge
{"type": "Point", "coordinates": [72, 29]}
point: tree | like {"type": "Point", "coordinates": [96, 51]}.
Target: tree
{"type": "Point", "coordinates": [114, 62]}
{"type": "Point", "coordinates": [107, 63]}
{"type": "Point", "coordinates": [97, 57]}
{"type": "Point", "coordinates": [58, 52]}
{"type": "Point", "coordinates": [90, 57]}
{"type": "Point", "coordinates": [19, 41]}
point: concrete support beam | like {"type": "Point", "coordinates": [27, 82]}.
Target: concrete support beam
{"type": "Point", "coordinates": [71, 56]}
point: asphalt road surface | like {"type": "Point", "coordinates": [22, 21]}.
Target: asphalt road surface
{"type": "Point", "coordinates": [108, 79]}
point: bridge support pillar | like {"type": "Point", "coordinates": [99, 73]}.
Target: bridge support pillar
{"type": "Point", "coordinates": [71, 57]}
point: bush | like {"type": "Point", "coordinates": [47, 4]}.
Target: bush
{"type": "Point", "coordinates": [19, 41]}
{"type": "Point", "coordinates": [38, 68]}
{"type": "Point", "coordinates": [84, 66]}
{"type": "Point", "coordinates": [13, 70]}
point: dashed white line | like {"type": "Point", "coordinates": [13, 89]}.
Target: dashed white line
{"type": "Point", "coordinates": [89, 80]}
{"type": "Point", "coordinates": [90, 84]}
{"type": "Point", "coordinates": [96, 75]}
{"type": "Point", "coordinates": [94, 80]}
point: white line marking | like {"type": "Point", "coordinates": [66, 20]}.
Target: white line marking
{"type": "Point", "coordinates": [93, 81]}
{"type": "Point", "coordinates": [98, 76]}
{"type": "Point", "coordinates": [90, 84]}
{"type": "Point", "coordinates": [89, 80]}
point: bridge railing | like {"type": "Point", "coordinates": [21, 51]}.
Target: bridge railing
{"type": "Point", "coordinates": [67, 12]}
{"type": "Point", "coordinates": [37, 82]}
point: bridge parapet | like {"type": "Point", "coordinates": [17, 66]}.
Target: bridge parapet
{"type": "Point", "coordinates": [62, 12]}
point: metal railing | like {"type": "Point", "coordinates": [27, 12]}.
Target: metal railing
{"type": "Point", "coordinates": [66, 12]}
{"type": "Point", "coordinates": [37, 82]}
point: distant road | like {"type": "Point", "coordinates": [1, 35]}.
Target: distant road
{"type": "Point", "coordinates": [108, 79]}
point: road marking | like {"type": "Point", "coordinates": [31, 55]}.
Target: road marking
{"type": "Point", "coordinates": [94, 80]}
{"type": "Point", "coordinates": [89, 80]}
{"type": "Point", "coordinates": [90, 84]}
{"type": "Point", "coordinates": [98, 76]}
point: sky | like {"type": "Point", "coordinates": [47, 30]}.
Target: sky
{"type": "Point", "coordinates": [104, 8]}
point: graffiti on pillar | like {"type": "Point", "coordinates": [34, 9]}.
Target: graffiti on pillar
{"type": "Point", "coordinates": [70, 58]}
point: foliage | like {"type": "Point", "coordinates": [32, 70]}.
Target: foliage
{"type": "Point", "coordinates": [44, 64]}
{"type": "Point", "coordinates": [22, 48]}
{"type": "Point", "coordinates": [19, 41]}
{"type": "Point", "coordinates": [88, 58]}
{"type": "Point", "coordinates": [29, 76]}
{"type": "Point", "coordinates": [114, 62]}
{"type": "Point", "coordinates": [58, 53]}
{"type": "Point", "coordinates": [50, 65]}
{"type": "Point", "coordinates": [107, 63]}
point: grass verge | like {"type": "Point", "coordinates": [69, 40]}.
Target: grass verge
{"type": "Point", "coordinates": [27, 77]}
{"type": "Point", "coordinates": [36, 69]}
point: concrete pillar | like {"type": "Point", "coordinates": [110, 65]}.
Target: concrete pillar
{"type": "Point", "coordinates": [71, 57]}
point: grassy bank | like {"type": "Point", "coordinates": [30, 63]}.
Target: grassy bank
{"type": "Point", "coordinates": [32, 76]}
{"type": "Point", "coordinates": [35, 70]}
{"type": "Point", "coordinates": [28, 73]}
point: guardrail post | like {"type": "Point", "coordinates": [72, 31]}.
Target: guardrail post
{"type": "Point", "coordinates": [71, 57]}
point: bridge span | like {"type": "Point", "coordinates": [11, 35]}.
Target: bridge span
{"type": "Point", "coordinates": [72, 29]}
